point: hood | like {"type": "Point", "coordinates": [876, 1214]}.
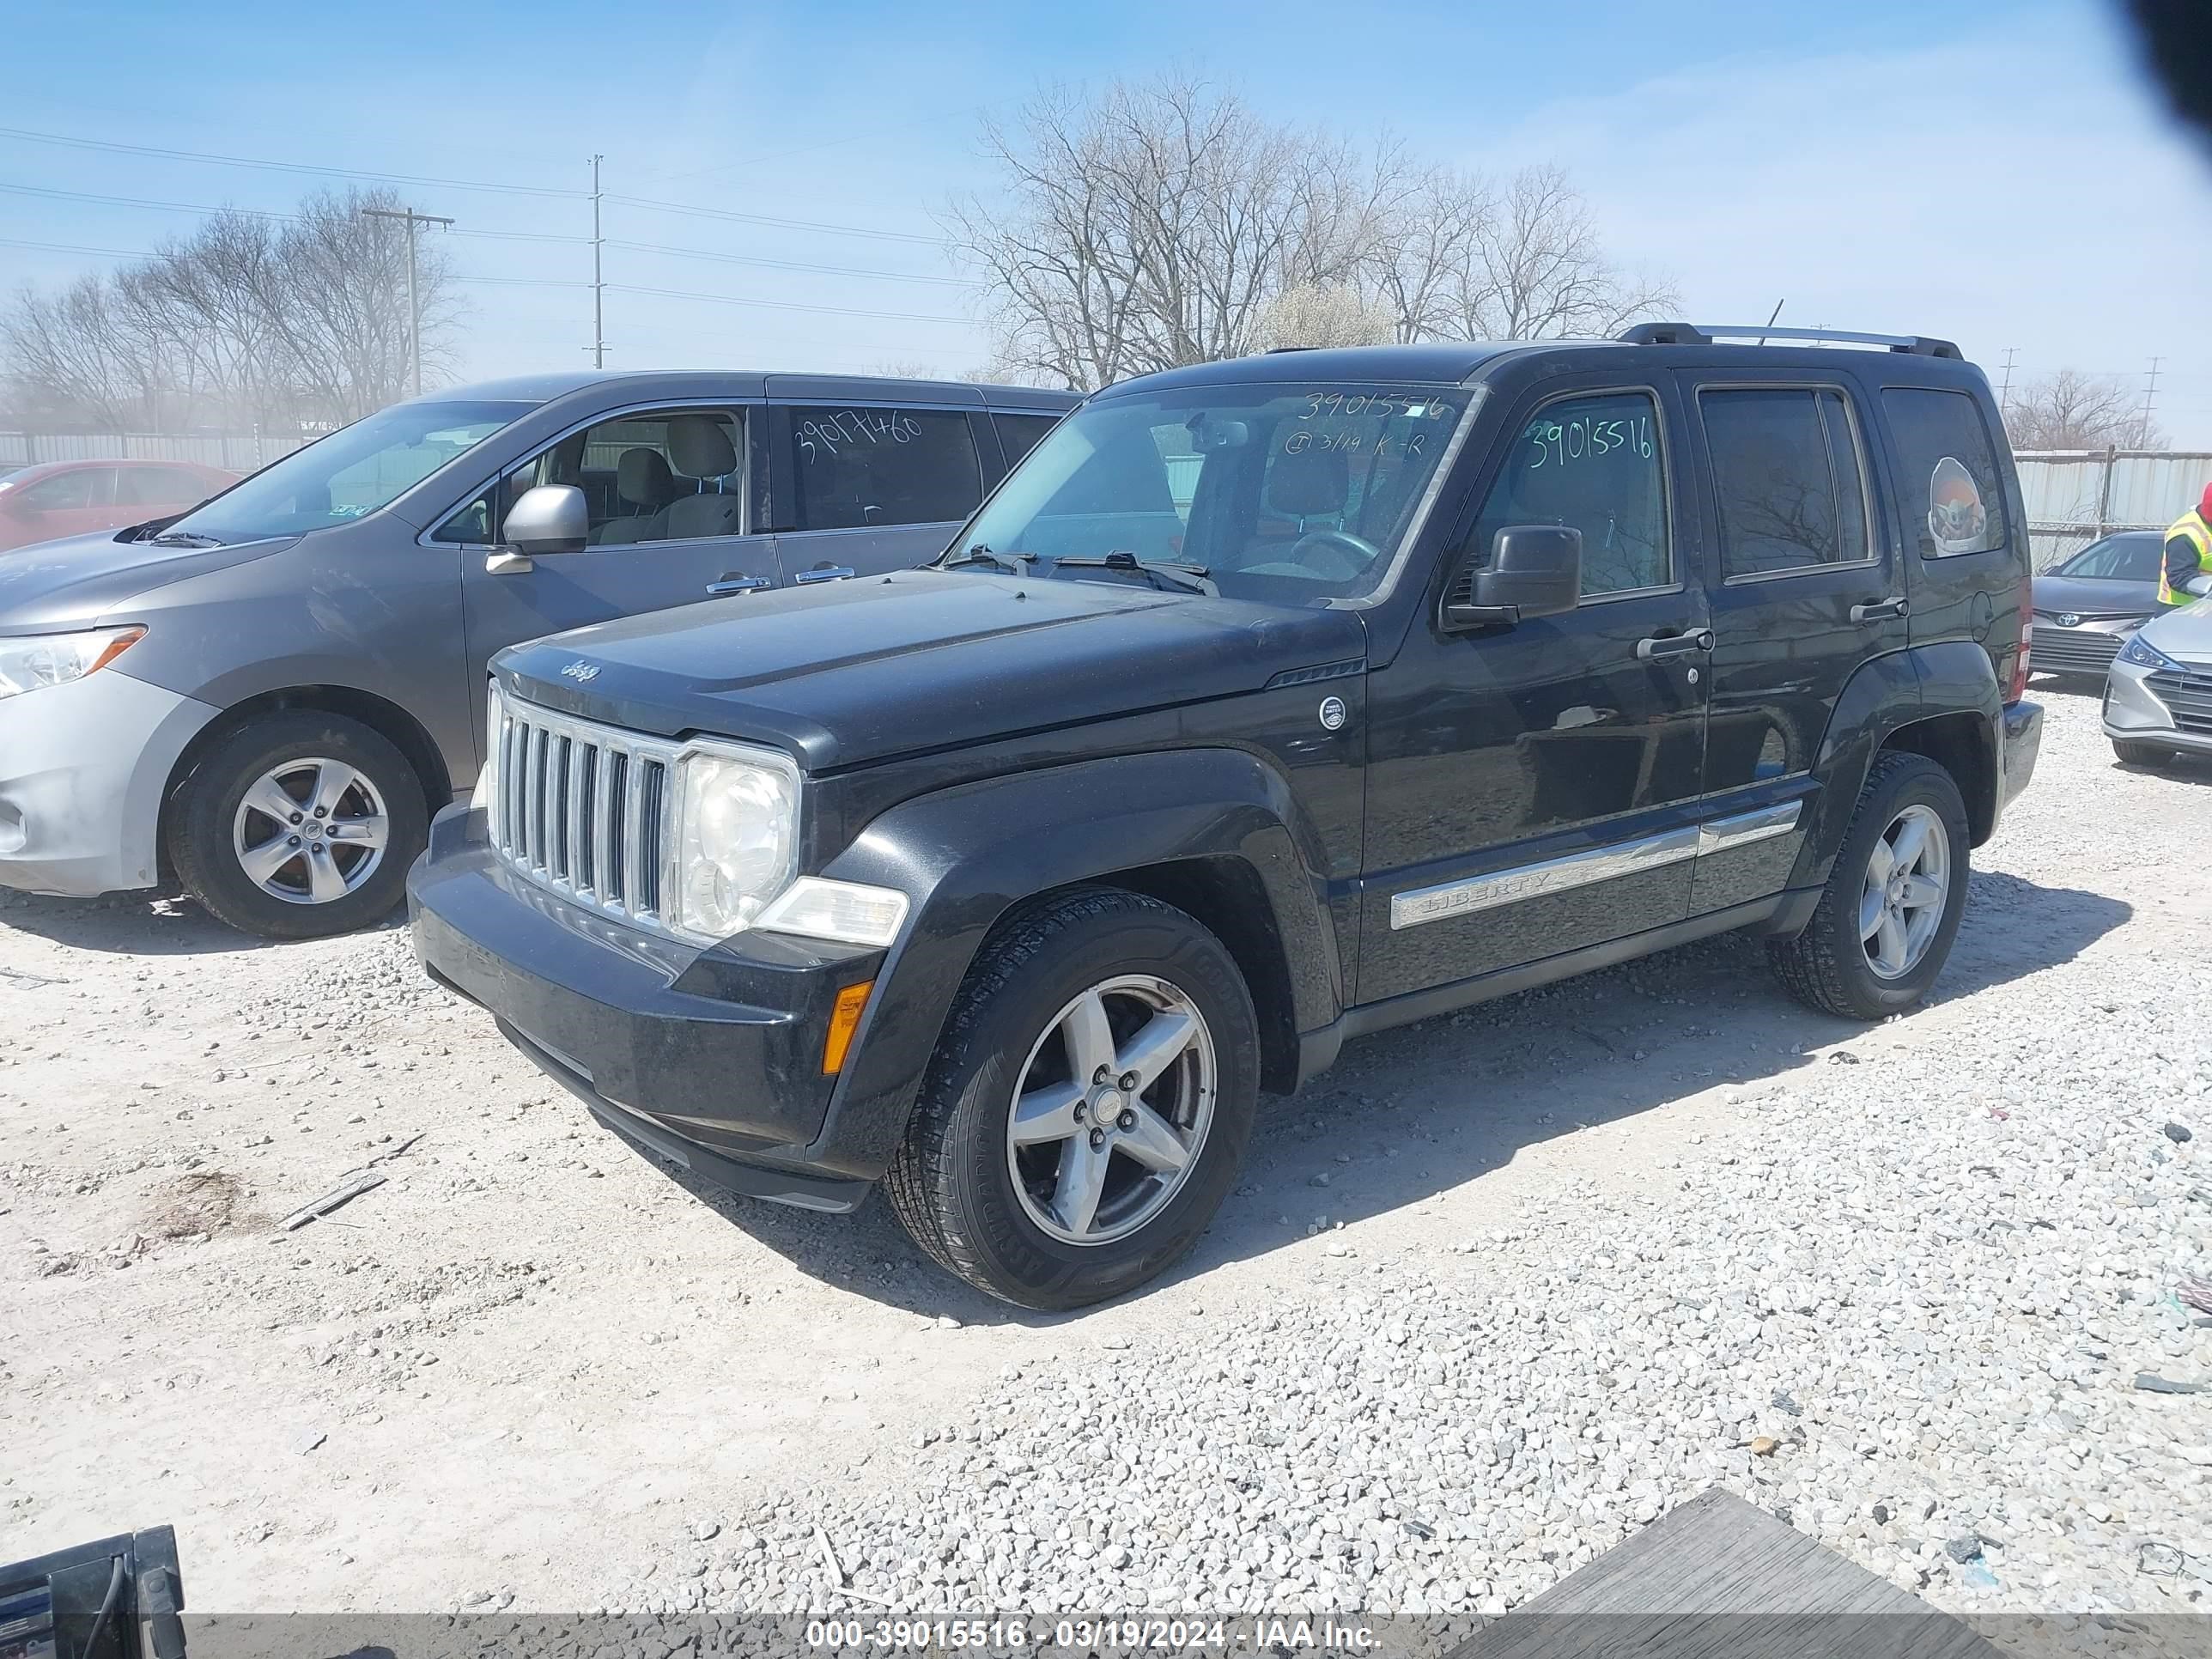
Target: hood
{"type": "Point", "coordinates": [2095, 597]}
{"type": "Point", "coordinates": [2186, 634]}
{"type": "Point", "coordinates": [852, 673]}
{"type": "Point", "coordinates": [77, 581]}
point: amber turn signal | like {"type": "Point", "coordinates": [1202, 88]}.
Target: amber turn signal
{"type": "Point", "coordinates": [844, 1020]}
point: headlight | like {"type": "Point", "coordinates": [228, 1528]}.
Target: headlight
{"type": "Point", "coordinates": [39, 659]}
{"type": "Point", "coordinates": [2140, 653]}
{"type": "Point", "coordinates": [736, 838]}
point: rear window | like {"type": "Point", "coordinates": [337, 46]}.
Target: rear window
{"type": "Point", "coordinates": [1948, 470]}
{"type": "Point", "coordinates": [1018, 433]}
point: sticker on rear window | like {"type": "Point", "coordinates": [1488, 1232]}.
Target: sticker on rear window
{"type": "Point", "coordinates": [1956, 516]}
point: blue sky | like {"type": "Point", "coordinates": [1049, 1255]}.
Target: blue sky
{"type": "Point", "coordinates": [1997, 174]}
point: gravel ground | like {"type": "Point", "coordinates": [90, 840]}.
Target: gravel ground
{"type": "Point", "coordinates": [1500, 1288]}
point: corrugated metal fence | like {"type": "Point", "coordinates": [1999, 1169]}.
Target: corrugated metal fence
{"type": "Point", "coordinates": [239, 452]}
{"type": "Point", "coordinates": [2075, 497]}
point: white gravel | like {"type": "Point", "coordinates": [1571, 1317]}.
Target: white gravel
{"type": "Point", "coordinates": [1500, 1289]}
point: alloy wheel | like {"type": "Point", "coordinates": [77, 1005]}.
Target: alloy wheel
{"type": "Point", "coordinates": [310, 831]}
{"type": "Point", "coordinates": [1908, 878]}
{"type": "Point", "coordinates": [1111, 1109]}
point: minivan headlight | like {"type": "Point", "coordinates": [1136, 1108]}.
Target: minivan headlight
{"type": "Point", "coordinates": [736, 845]}
{"type": "Point", "coordinates": [34, 660]}
{"type": "Point", "coordinates": [2140, 653]}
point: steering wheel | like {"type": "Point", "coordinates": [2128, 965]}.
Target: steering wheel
{"type": "Point", "coordinates": [1348, 555]}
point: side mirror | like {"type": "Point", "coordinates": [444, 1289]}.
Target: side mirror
{"type": "Point", "coordinates": [1535, 570]}
{"type": "Point", "coordinates": [549, 519]}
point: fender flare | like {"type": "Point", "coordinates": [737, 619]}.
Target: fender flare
{"type": "Point", "coordinates": [1885, 694]}
{"type": "Point", "coordinates": [967, 855]}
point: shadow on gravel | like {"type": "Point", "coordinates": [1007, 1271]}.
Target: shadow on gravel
{"type": "Point", "coordinates": [127, 924]}
{"type": "Point", "coordinates": [1425, 1109]}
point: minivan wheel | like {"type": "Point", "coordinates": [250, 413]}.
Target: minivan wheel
{"type": "Point", "coordinates": [1886, 920]}
{"type": "Point", "coordinates": [2132, 752]}
{"type": "Point", "coordinates": [1087, 1105]}
{"type": "Point", "coordinates": [300, 825]}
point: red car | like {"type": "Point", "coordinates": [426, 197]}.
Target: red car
{"type": "Point", "coordinates": [68, 498]}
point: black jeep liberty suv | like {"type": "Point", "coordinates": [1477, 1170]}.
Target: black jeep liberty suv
{"type": "Point", "coordinates": [1266, 704]}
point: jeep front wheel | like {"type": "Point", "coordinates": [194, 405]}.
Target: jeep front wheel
{"type": "Point", "coordinates": [1087, 1106]}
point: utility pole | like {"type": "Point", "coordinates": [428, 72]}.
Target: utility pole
{"type": "Point", "coordinates": [2004, 395]}
{"type": "Point", "coordinates": [2150, 393]}
{"type": "Point", "coordinates": [599, 286]}
{"type": "Point", "coordinates": [414, 299]}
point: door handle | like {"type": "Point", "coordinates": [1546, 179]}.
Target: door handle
{"type": "Point", "coordinates": [736, 585]}
{"type": "Point", "coordinates": [1878, 610]}
{"type": "Point", "coordinates": [1675, 645]}
{"type": "Point", "coordinates": [826, 573]}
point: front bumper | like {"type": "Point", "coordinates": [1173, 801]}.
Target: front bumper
{"type": "Point", "coordinates": [711, 1058]}
{"type": "Point", "coordinates": [2159, 705]}
{"type": "Point", "coordinates": [83, 767]}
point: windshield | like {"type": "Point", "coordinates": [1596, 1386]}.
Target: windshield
{"type": "Point", "coordinates": [352, 472]}
{"type": "Point", "coordinates": [1293, 493]}
{"type": "Point", "coordinates": [2123, 558]}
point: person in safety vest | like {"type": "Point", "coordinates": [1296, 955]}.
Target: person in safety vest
{"type": "Point", "coordinates": [2186, 574]}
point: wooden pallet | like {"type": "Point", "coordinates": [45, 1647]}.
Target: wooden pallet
{"type": "Point", "coordinates": [1718, 1578]}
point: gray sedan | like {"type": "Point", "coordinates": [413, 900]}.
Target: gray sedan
{"type": "Point", "coordinates": [2088, 606]}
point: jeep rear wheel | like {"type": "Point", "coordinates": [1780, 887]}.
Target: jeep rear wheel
{"type": "Point", "coordinates": [1087, 1106]}
{"type": "Point", "coordinates": [1891, 908]}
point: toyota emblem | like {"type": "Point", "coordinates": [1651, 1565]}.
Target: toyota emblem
{"type": "Point", "coordinates": [2068, 619]}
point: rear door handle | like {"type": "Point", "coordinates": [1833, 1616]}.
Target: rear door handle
{"type": "Point", "coordinates": [1675, 645]}
{"type": "Point", "coordinates": [736, 585]}
{"type": "Point", "coordinates": [1878, 611]}
{"type": "Point", "coordinates": [826, 573]}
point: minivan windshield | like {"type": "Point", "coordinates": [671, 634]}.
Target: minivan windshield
{"type": "Point", "coordinates": [353, 471]}
{"type": "Point", "coordinates": [1293, 494]}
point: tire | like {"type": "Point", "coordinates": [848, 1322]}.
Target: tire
{"type": "Point", "coordinates": [1831, 967]}
{"type": "Point", "coordinates": [211, 820]}
{"type": "Point", "coordinates": [977, 1202]}
{"type": "Point", "coordinates": [2131, 752]}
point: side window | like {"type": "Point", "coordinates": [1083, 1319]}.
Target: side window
{"type": "Point", "coordinates": [1789, 478]}
{"type": "Point", "coordinates": [1947, 471]}
{"type": "Point", "coordinates": [472, 524]}
{"type": "Point", "coordinates": [659, 476]}
{"type": "Point", "coordinates": [1018, 433]}
{"type": "Point", "coordinates": [856, 468]}
{"type": "Point", "coordinates": [64, 490]}
{"type": "Point", "coordinates": [1595, 464]}
{"type": "Point", "coordinates": [155, 486]}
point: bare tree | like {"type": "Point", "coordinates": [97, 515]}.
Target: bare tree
{"type": "Point", "coordinates": [248, 318]}
{"type": "Point", "coordinates": [1159, 222]}
{"type": "Point", "coordinates": [1324, 315]}
{"type": "Point", "coordinates": [2069, 410]}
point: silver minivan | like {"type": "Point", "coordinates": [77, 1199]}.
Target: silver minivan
{"type": "Point", "coordinates": [267, 697]}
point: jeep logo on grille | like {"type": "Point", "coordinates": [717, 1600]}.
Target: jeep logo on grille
{"type": "Point", "coordinates": [580, 671]}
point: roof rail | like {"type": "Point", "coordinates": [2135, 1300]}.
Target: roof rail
{"type": "Point", "coordinates": [1694, 334]}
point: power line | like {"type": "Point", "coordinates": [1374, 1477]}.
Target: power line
{"type": "Point", "coordinates": [141, 202]}
{"type": "Point", "coordinates": [778, 224]}
{"type": "Point", "coordinates": [780, 305]}
{"type": "Point", "coordinates": [281, 166]}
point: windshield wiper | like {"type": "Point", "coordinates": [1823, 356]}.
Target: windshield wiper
{"type": "Point", "coordinates": [980, 554]}
{"type": "Point", "coordinates": [1187, 578]}
{"type": "Point", "coordinates": [184, 539]}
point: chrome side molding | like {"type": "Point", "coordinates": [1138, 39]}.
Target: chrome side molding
{"type": "Point", "coordinates": [1528, 881]}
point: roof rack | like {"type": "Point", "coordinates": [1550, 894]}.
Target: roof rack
{"type": "Point", "coordinates": [1705, 334]}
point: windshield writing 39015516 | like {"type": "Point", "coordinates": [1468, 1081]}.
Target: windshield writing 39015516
{"type": "Point", "coordinates": [1587, 438]}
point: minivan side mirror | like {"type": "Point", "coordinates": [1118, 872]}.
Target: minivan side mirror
{"type": "Point", "coordinates": [548, 518]}
{"type": "Point", "coordinates": [1533, 570]}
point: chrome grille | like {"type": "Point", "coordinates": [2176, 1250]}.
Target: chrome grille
{"type": "Point", "coordinates": [2187, 697]}
{"type": "Point", "coordinates": [579, 807]}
